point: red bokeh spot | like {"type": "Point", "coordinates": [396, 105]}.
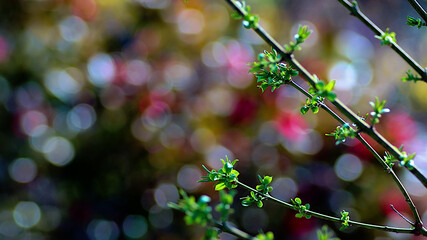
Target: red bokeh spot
{"type": "Point", "coordinates": [85, 9]}
{"type": "Point", "coordinates": [393, 196]}
{"type": "Point", "coordinates": [291, 125]}
{"type": "Point", "coordinates": [3, 50]}
{"type": "Point", "coordinates": [401, 128]}
{"type": "Point", "coordinates": [244, 111]}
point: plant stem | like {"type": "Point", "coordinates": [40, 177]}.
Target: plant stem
{"type": "Point", "coordinates": [375, 153]}
{"type": "Point", "coordinates": [362, 125]}
{"type": "Point", "coordinates": [234, 231]}
{"type": "Point", "coordinates": [420, 10]}
{"type": "Point", "coordinates": [334, 219]}
{"type": "Point", "coordinates": [355, 11]}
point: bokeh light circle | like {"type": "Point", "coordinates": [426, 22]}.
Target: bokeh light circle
{"type": "Point", "coordinates": [166, 193]}
{"type": "Point", "coordinates": [188, 176]}
{"type": "Point", "coordinates": [135, 226]}
{"type": "Point", "coordinates": [101, 229]}
{"type": "Point", "coordinates": [73, 29]}
{"type": "Point", "coordinates": [23, 170]}
{"type": "Point", "coordinates": [26, 214]}
{"type": "Point", "coordinates": [348, 167]}
{"type": "Point", "coordinates": [81, 117]}
{"type": "Point", "coordinates": [58, 151]}
{"type": "Point", "coordinates": [101, 70]}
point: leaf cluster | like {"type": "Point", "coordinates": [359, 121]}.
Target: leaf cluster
{"type": "Point", "coordinates": [323, 89]}
{"type": "Point", "coordinates": [325, 234]}
{"type": "Point", "coordinates": [300, 37]}
{"type": "Point", "coordinates": [387, 37]}
{"type": "Point", "coordinates": [195, 212]}
{"type": "Point", "coordinates": [411, 77]}
{"type": "Point", "coordinates": [302, 209]}
{"type": "Point", "coordinates": [341, 133]}
{"type": "Point", "coordinates": [378, 110]}
{"type": "Point", "coordinates": [313, 104]}
{"type": "Point", "coordinates": [407, 160]}
{"type": "Point", "coordinates": [249, 20]}
{"type": "Point", "coordinates": [198, 212]}
{"type": "Point", "coordinates": [265, 236]}
{"type": "Point", "coordinates": [256, 197]}
{"type": "Point", "coordinates": [270, 71]}
{"type": "Point", "coordinates": [224, 208]}
{"type": "Point", "coordinates": [415, 22]}
{"type": "Point", "coordinates": [226, 177]}
{"type": "Point", "coordinates": [344, 218]}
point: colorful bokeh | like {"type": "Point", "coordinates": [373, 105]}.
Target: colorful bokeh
{"type": "Point", "coordinates": [109, 107]}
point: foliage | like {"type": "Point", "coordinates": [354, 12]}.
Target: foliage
{"type": "Point", "coordinates": [270, 71]}
{"type": "Point", "coordinates": [387, 37]}
{"type": "Point", "coordinates": [415, 22]}
{"type": "Point", "coordinates": [276, 68]}
{"type": "Point", "coordinates": [378, 110]}
{"type": "Point", "coordinates": [302, 209]}
{"type": "Point", "coordinates": [411, 77]}
{"type": "Point", "coordinates": [196, 212]}
{"type": "Point", "coordinates": [300, 37]}
{"type": "Point", "coordinates": [344, 218]}
{"type": "Point", "coordinates": [225, 177]}
{"type": "Point", "coordinates": [249, 20]}
{"type": "Point", "coordinates": [265, 236]}
{"type": "Point", "coordinates": [323, 89]}
{"type": "Point", "coordinates": [262, 190]}
{"type": "Point", "coordinates": [342, 133]}
{"type": "Point", "coordinates": [325, 234]}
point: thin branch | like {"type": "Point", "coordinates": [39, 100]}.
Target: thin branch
{"type": "Point", "coordinates": [355, 11]}
{"type": "Point", "coordinates": [404, 218]}
{"type": "Point", "coordinates": [234, 231]}
{"type": "Point", "coordinates": [330, 218]}
{"type": "Point", "coordinates": [375, 153]}
{"type": "Point", "coordinates": [362, 125]}
{"type": "Point", "coordinates": [420, 10]}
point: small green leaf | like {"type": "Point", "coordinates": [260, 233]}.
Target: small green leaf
{"type": "Point", "coordinates": [331, 96]}
{"type": "Point", "coordinates": [260, 204]}
{"type": "Point", "coordinates": [304, 109]}
{"type": "Point", "coordinates": [236, 16]}
{"type": "Point", "coordinates": [219, 186]}
{"type": "Point", "coordinates": [315, 109]}
{"type": "Point", "coordinates": [330, 86]}
{"type": "Point", "coordinates": [299, 215]}
{"type": "Point", "coordinates": [267, 180]}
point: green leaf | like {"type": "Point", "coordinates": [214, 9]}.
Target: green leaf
{"type": "Point", "coordinates": [415, 22]}
{"type": "Point", "coordinates": [330, 86]}
{"type": "Point", "coordinates": [259, 204]}
{"type": "Point", "coordinates": [315, 109]}
{"type": "Point", "coordinates": [331, 96]}
{"type": "Point", "coordinates": [299, 215]}
{"type": "Point", "coordinates": [267, 180]}
{"type": "Point", "coordinates": [219, 186]}
{"type": "Point", "coordinates": [264, 86]}
{"type": "Point", "coordinates": [236, 16]}
{"type": "Point", "coordinates": [304, 109]}
{"type": "Point", "coordinates": [298, 201]}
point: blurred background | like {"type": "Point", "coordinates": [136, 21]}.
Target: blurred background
{"type": "Point", "coordinates": [109, 107]}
